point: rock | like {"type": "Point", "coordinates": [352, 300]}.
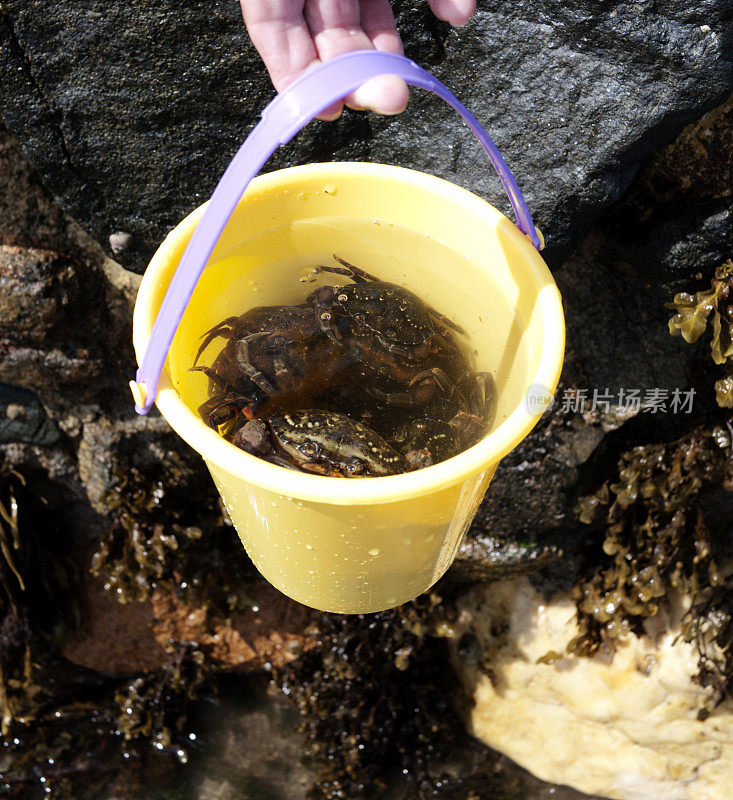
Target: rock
{"type": "Point", "coordinates": [624, 728]}
{"type": "Point", "coordinates": [114, 638]}
{"type": "Point", "coordinates": [56, 479]}
{"type": "Point", "coordinates": [111, 446]}
{"type": "Point", "coordinates": [35, 288]}
{"type": "Point", "coordinates": [28, 216]}
{"type": "Point", "coordinates": [483, 557]}
{"type": "Point", "coordinates": [131, 136]}
{"type": "Point", "coordinates": [23, 418]}
{"type": "Point", "coordinates": [247, 745]}
{"type": "Point", "coordinates": [119, 242]}
{"type": "Point", "coordinates": [272, 631]}
{"type": "Point", "coordinates": [70, 370]}
{"type": "Point", "coordinates": [531, 492]}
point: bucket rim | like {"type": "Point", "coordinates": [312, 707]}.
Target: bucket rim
{"type": "Point", "coordinates": [473, 462]}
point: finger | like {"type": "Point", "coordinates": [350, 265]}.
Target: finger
{"type": "Point", "coordinates": [389, 91]}
{"type": "Point", "coordinates": [457, 12]}
{"type": "Point", "coordinates": [377, 21]}
{"type": "Point", "coordinates": [386, 94]}
{"type": "Point", "coordinates": [337, 27]}
{"type": "Point", "coordinates": [280, 35]}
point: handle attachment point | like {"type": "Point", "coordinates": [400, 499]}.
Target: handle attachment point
{"type": "Point", "coordinates": [540, 236]}
{"type": "Point", "coordinates": [139, 395]}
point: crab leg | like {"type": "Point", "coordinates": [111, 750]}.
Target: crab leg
{"type": "Point", "coordinates": [248, 370]}
{"type": "Point", "coordinates": [224, 328]}
{"type": "Point", "coordinates": [421, 389]}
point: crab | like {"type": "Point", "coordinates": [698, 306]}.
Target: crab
{"type": "Point", "coordinates": [449, 424]}
{"type": "Point", "coordinates": [385, 358]}
{"type": "Point", "coordinates": [399, 321]}
{"type": "Point", "coordinates": [400, 349]}
{"type": "Point", "coordinates": [321, 442]}
{"type": "Point", "coordinates": [273, 355]}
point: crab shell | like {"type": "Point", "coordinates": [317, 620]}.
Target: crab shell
{"type": "Point", "coordinates": [329, 443]}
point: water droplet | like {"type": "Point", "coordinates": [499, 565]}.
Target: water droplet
{"type": "Point", "coordinates": [374, 551]}
{"type": "Point", "coordinates": [329, 188]}
{"type": "Point", "coordinates": [309, 274]}
{"type": "Point", "coordinates": [309, 547]}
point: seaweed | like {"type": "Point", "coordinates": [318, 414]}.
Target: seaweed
{"type": "Point", "coordinates": [171, 536]}
{"type": "Point", "coordinates": [154, 707]}
{"type": "Point", "coordinates": [374, 699]}
{"type": "Point", "coordinates": [69, 732]}
{"type": "Point", "coordinates": [694, 314]}
{"type": "Point", "coordinates": [709, 624]}
{"type": "Point", "coordinates": [37, 576]}
{"type": "Point", "coordinates": [658, 542]}
{"type": "Point", "coordinates": [69, 745]}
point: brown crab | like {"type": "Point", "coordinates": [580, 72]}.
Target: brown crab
{"type": "Point", "coordinates": [399, 321]}
{"type": "Point", "coordinates": [273, 354]}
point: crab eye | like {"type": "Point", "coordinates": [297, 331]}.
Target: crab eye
{"type": "Point", "coordinates": [309, 449]}
{"type": "Point", "coordinates": [355, 467]}
{"type": "Point", "coordinates": [342, 298]}
{"type": "Point", "coordinates": [326, 316]}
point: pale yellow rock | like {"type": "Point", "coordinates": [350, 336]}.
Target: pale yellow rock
{"type": "Point", "coordinates": [625, 729]}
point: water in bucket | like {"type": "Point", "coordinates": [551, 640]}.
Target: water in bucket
{"type": "Point", "coordinates": [276, 268]}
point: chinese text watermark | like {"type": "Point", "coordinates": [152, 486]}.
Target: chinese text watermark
{"type": "Point", "coordinates": [629, 401]}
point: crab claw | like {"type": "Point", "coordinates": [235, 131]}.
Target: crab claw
{"type": "Point", "coordinates": [253, 438]}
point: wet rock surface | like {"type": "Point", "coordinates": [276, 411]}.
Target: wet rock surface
{"type": "Point", "coordinates": [270, 631]}
{"type": "Point", "coordinates": [131, 130]}
{"type": "Point", "coordinates": [23, 418]}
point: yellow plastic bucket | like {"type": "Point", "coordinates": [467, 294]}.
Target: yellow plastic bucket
{"type": "Point", "coordinates": [362, 545]}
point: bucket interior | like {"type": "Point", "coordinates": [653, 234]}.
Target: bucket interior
{"type": "Point", "coordinates": [455, 252]}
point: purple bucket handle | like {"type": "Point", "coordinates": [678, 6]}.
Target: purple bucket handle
{"type": "Point", "coordinates": [290, 111]}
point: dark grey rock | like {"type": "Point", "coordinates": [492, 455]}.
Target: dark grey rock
{"type": "Point", "coordinates": [131, 111]}
{"type": "Point", "coordinates": [248, 746]}
{"type": "Point", "coordinates": [110, 449]}
{"type": "Point", "coordinates": [483, 557]}
{"type": "Point", "coordinates": [35, 287]}
{"type": "Point", "coordinates": [69, 370]}
{"type": "Point", "coordinates": [23, 418]}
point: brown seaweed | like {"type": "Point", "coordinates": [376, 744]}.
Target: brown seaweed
{"type": "Point", "coordinates": [174, 537]}
{"type": "Point", "coordinates": [658, 542]}
{"type": "Point", "coordinates": [714, 306]}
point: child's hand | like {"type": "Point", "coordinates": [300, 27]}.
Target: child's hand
{"type": "Point", "coordinates": [293, 35]}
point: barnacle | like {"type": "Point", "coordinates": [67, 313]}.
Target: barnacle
{"type": "Point", "coordinates": [657, 541]}
{"type": "Point", "coordinates": [694, 313]}
{"type": "Point", "coordinates": [372, 694]}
